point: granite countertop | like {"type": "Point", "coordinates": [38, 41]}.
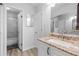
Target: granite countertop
{"type": "Point", "coordinates": [71, 50]}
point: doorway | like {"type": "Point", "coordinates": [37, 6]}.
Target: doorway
{"type": "Point", "coordinates": [14, 30]}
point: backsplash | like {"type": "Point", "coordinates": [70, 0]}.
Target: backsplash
{"type": "Point", "coordinates": [64, 36]}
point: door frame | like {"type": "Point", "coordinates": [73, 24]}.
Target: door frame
{"type": "Point", "coordinates": [5, 26]}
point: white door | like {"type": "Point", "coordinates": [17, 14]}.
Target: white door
{"type": "Point", "coordinates": [3, 28]}
{"type": "Point", "coordinates": [20, 29]}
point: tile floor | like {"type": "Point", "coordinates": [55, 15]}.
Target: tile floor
{"type": "Point", "coordinates": [17, 52]}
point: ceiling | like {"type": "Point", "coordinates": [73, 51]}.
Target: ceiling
{"type": "Point", "coordinates": [35, 5]}
{"type": "Point", "coordinates": [12, 10]}
{"type": "Point", "coordinates": [38, 6]}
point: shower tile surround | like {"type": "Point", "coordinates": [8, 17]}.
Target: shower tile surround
{"type": "Point", "coordinates": [72, 39]}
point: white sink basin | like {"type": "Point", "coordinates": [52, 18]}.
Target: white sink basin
{"type": "Point", "coordinates": [62, 43]}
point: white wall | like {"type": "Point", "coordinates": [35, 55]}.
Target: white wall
{"type": "Point", "coordinates": [37, 27]}
{"type": "Point", "coordinates": [38, 24]}
{"type": "Point", "coordinates": [46, 21]}
{"type": "Point", "coordinates": [42, 21]}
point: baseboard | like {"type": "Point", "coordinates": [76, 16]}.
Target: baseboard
{"type": "Point", "coordinates": [28, 48]}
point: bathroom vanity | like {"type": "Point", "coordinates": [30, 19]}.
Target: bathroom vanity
{"type": "Point", "coordinates": [64, 39]}
{"type": "Point", "coordinates": [58, 45]}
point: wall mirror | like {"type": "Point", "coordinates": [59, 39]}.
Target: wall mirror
{"type": "Point", "coordinates": [65, 20]}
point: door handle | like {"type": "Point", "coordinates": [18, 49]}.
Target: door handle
{"type": "Point", "coordinates": [48, 51]}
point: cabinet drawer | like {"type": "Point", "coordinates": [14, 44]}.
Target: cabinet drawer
{"type": "Point", "coordinates": [58, 52]}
